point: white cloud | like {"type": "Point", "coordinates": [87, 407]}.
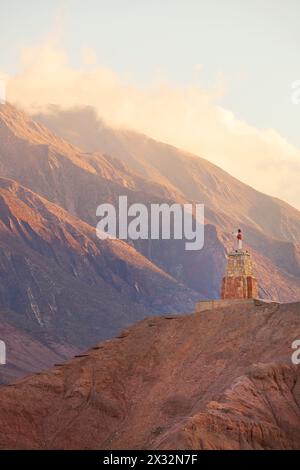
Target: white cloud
{"type": "Point", "coordinates": [188, 117]}
{"type": "Point", "coordinates": [88, 56]}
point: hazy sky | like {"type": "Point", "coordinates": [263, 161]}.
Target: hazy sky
{"type": "Point", "coordinates": [245, 53]}
{"type": "Point", "coordinates": [253, 44]}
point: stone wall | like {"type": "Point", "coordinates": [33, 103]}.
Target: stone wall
{"type": "Point", "coordinates": [203, 305]}
{"type": "Point", "coordinates": [239, 264]}
{"type": "Point", "coordinates": [239, 287]}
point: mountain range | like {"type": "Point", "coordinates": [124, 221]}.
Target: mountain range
{"type": "Point", "coordinates": [271, 226]}
{"type": "Point", "coordinates": [64, 288]}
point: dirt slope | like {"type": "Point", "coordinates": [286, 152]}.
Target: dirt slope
{"type": "Point", "coordinates": [219, 379]}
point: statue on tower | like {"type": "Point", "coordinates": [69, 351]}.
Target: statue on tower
{"type": "Point", "coordinates": [239, 238]}
{"type": "Point", "coordinates": [238, 281]}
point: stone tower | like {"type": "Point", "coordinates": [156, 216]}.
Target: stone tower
{"type": "Point", "coordinates": [238, 282]}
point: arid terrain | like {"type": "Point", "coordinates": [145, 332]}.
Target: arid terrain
{"type": "Point", "coordinates": [220, 379]}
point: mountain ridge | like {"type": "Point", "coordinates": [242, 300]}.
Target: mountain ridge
{"type": "Point", "coordinates": [95, 135]}
{"type": "Point", "coordinates": [62, 181]}
{"type": "Point", "coordinates": [271, 226]}
{"type": "Point", "coordinates": [171, 382]}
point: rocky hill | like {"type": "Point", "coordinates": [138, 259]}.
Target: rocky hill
{"type": "Point", "coordinates": [219, 379]}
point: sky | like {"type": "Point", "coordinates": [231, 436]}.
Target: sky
{"type": "Point", "coordinates": [214, 77]}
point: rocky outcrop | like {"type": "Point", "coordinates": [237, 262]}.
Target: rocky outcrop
{"type": "Point", "coordinates": [260, 410]}
{"type": "Point", "coordinates": [220, 379]}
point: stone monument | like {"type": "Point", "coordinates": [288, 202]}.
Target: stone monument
{"type": "Point", "coordinates": [239, 282]}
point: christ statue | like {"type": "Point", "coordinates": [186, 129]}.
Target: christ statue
{"type": "Point", "coordinates": [239, 238]}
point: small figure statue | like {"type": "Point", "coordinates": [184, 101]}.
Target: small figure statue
{"type": "Point", "coordinates": [239, 237]}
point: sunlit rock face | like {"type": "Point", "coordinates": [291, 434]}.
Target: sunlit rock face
{"type": "Point", "coordinates": [217, 379]}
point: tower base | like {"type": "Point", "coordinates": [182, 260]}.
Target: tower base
{"type": "Point", "coordinates": [239, 287]}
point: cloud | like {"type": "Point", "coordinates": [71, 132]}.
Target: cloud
{"type": "Point", "coordinates": [88, 56]}
{"type": "Point", "coordinates": [188, 117]}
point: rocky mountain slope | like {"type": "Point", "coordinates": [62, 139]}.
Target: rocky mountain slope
{"type": "Point", "coordinates": [272, 227]}
{"type": "Point", "coordinates": [230, 202]}
{"type": "Point", "coordinates": [60, 172]}
{"type": "Point", "coordinates": [27, 353]}
{"type": "Point", "coordinates": [79, 182]}
{"type": "Point", "coordinates": [219, 379]}
{"type": "Point", "coordinates": [60, 279]}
